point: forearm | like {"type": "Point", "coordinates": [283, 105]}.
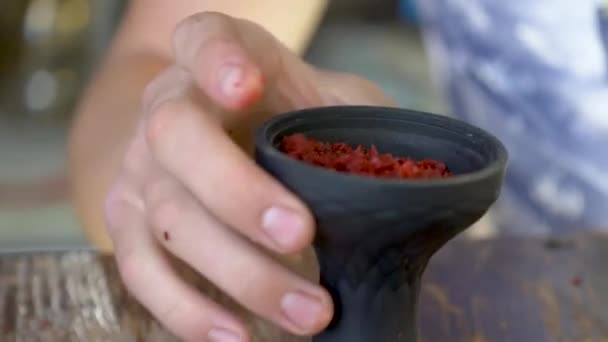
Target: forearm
{"type": "Point", "coordinates": [109, 109]}
{"type": "Point", "coordinates": [293, 22]}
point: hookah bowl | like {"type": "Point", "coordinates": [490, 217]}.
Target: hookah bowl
{"type": "Point", "coordinates": [375, 236]}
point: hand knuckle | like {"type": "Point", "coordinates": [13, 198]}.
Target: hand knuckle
{"type": "Point", "coordinates": [133, 163]}
{"type": "Point", "coordinates": [165, 208]}
{"type": "Point", "coordinates": [160, 122]}
{"type": "Point", "coordinates": [209, 21]}
{"type": "Point", "coordinates": [112, 208]}
{"type": "Point", "coordinates": [149, 93]}
{"type": "Point", "coordinates": [119, 206]}
{"type": "Point", "coordinates": [181, 317]}
{"type": "Point", "coordinates": [171, 83]}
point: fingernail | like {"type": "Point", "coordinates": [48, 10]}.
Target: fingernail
{"type": "Point", "coordinates": [231, 79]}
{"type": "Point", "coordinates": [302, 310]}
{"type": "Point", "coordinates": [223, 335]}
{"type": "Point", "coordinates": [283, 226]}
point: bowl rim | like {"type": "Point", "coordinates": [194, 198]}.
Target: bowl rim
{"type": "Point", "coordinates": [264, 145]}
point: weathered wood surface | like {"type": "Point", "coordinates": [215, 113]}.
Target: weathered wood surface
{"type": "Point", "coordinates": [516, 290]}
{"type": "Point", "coordinates": [503, 290]}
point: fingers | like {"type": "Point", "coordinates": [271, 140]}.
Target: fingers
{"type": "Point", "coordinates": [215, 190]}
{"type": "Point", "coordinates": [234, 264]}
{"type": "Point", "coordinates": [178, 306]}
{"type": "Point", "coordinates": [342, 88]}
{"type": "Point", "coordinates": [188, 140]}
{"type": "Point", "coordinates": [237, 63]}
{"type": "Point", "coordinates": [195, 149]}
{"type": "Point", "coordinates": [209, 47]}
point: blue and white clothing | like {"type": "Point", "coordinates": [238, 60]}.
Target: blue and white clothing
{"type": "Point", "coordinates": [535, 73]}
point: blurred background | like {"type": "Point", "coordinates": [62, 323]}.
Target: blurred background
{"type": "Point", "coordinates": [49, 49]}
{"type": "Point", "coordinates": [516, 69]}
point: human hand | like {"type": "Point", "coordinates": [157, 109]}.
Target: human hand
{"type": "Point", "coordinates": [188, 188]}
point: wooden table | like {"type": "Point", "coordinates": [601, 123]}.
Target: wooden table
{"type": "Point", "coordinates": [502, 290]}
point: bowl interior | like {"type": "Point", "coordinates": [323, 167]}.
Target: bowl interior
{"type": "Point", "coordinates": [465, 149]}
{"type": "Point", "coordinates": [347, 207]}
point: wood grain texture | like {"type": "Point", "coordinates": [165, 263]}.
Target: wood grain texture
{"type": "Point", "coordinates": [502, 290]}
{"type": "Point", "coordinates": [517, 290]}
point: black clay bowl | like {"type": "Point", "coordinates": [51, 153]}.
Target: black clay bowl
{"type": "Point", "coordinates": [375, 236]}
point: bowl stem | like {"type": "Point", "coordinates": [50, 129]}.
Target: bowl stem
{"type": "Point", "coordinates": [375, 284]}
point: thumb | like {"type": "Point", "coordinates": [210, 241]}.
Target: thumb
{"type": "Point", "coordinates": [238, 64]}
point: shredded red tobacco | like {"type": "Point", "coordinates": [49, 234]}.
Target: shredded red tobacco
{"type": "Point", "coordinates": [342, 157]}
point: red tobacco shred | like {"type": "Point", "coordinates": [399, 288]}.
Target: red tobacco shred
{"type": "Point", "coordinates": [577, 281]}
{"type": "Point", "coordinates": [342, 157]}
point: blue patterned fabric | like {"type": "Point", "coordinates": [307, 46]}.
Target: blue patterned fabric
{"type": "Point", "coordinates": [535, 74]}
